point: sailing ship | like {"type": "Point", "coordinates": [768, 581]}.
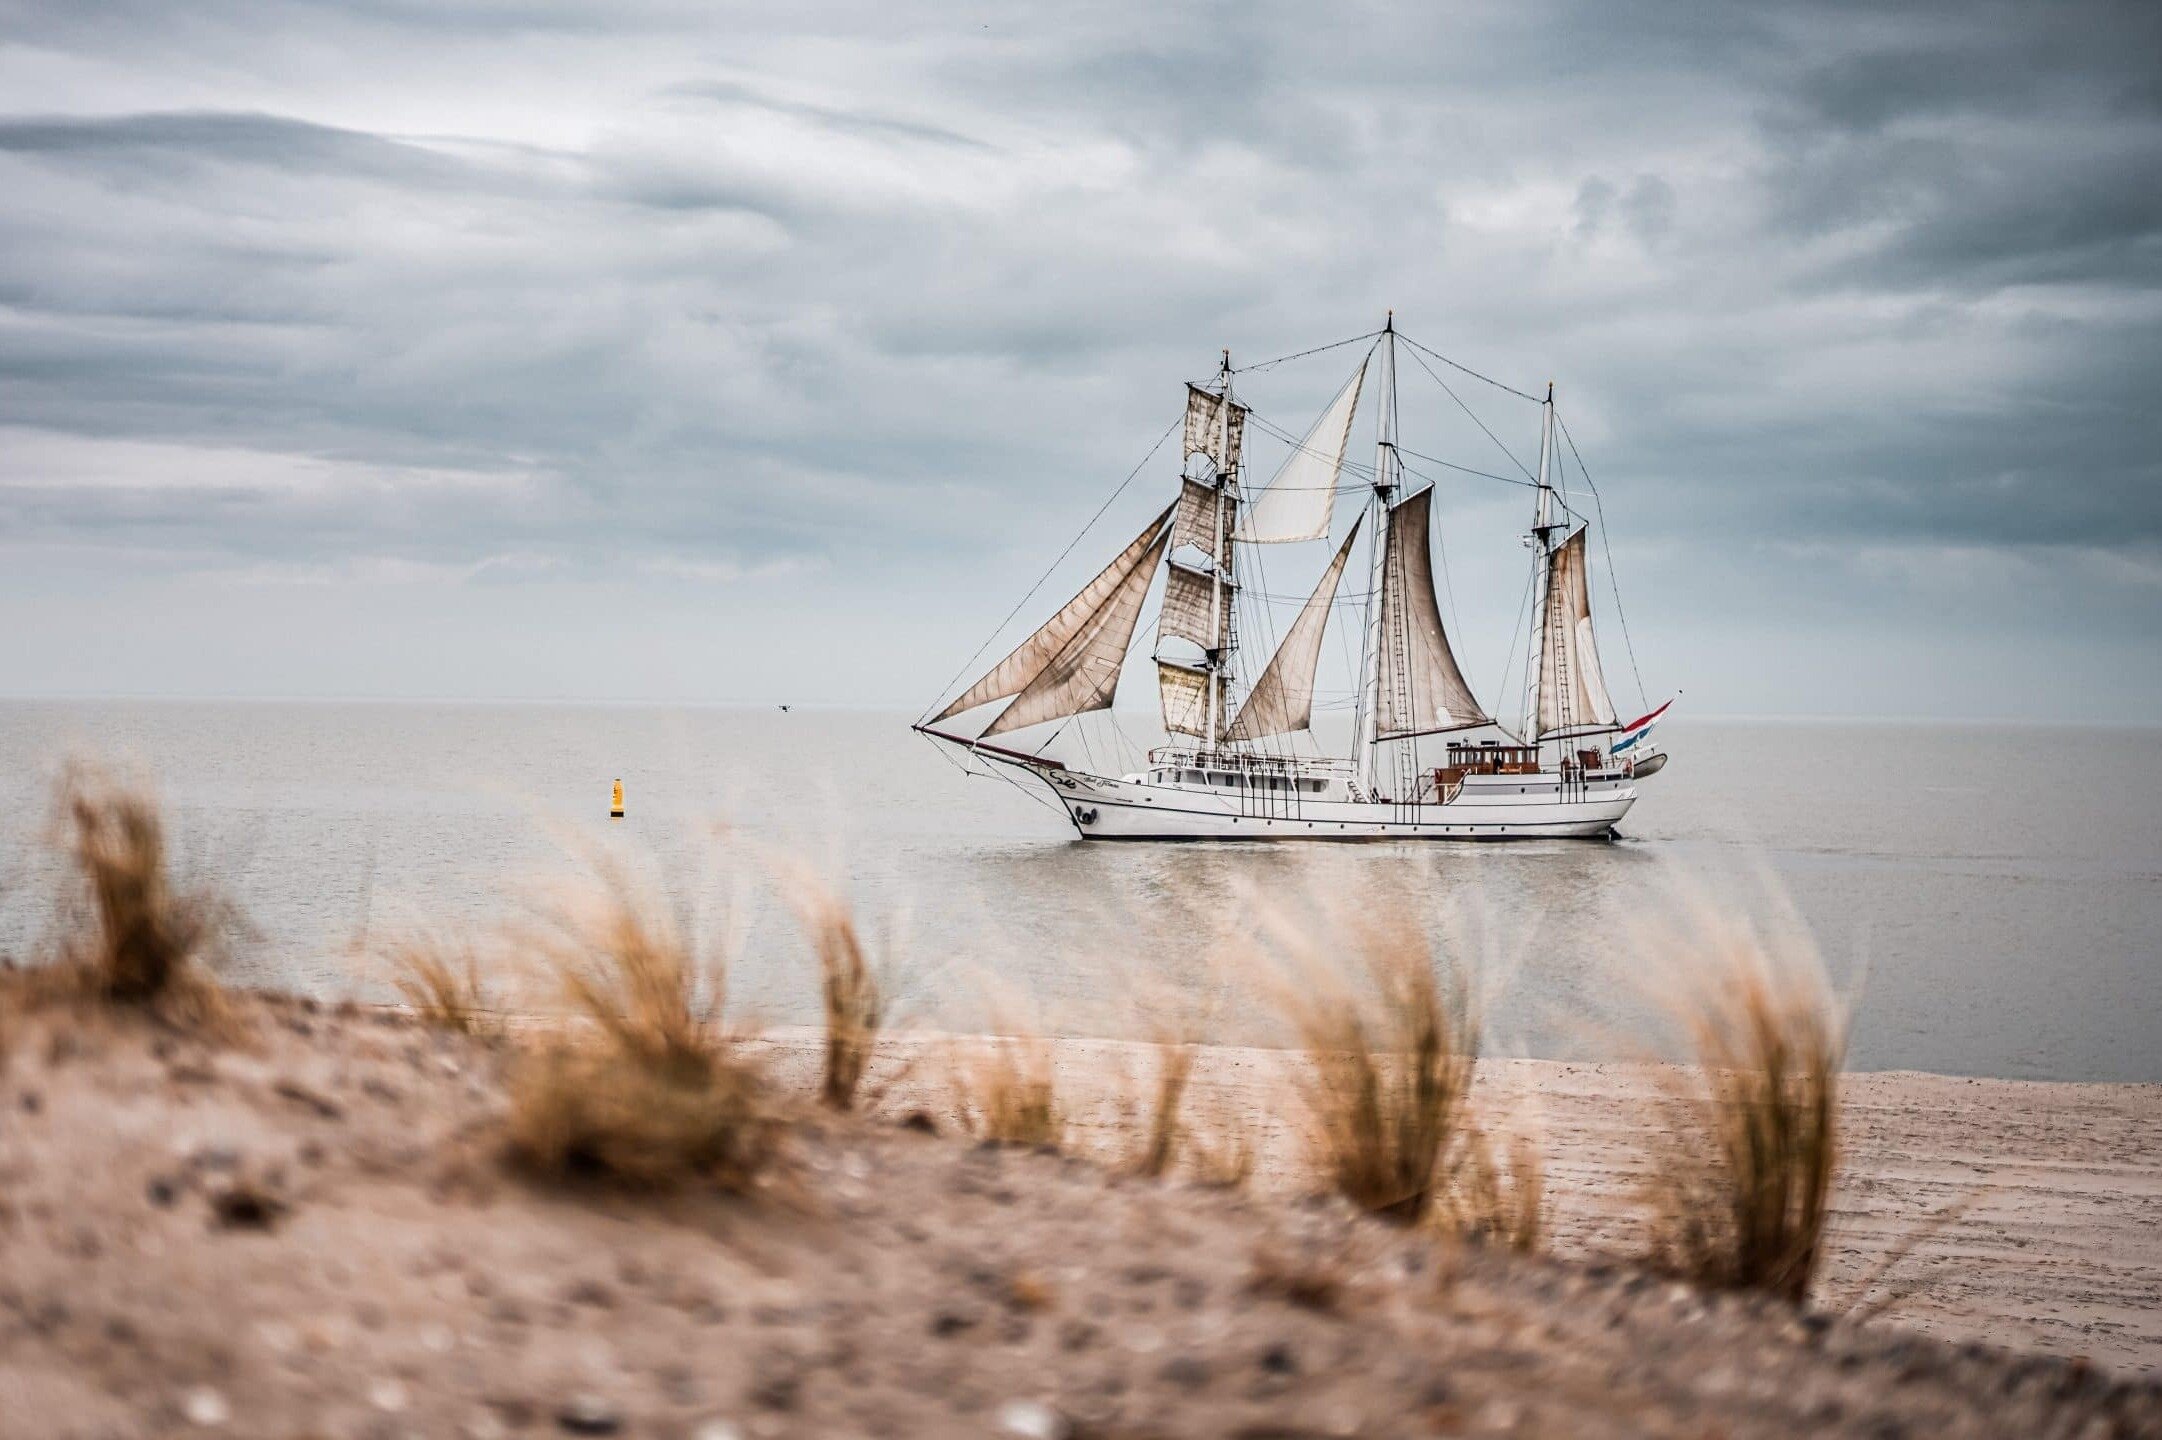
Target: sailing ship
{"type": "Point", "coordinates": [1240, 763]}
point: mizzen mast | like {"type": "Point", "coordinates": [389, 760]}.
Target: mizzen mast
{"type": "Point", "coordinates": [1541, 541]}
{"type": "Point", "coordinates": [1566, 696]}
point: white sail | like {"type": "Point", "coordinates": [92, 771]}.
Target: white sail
{"type": "Point", "coordinates": [1196, 522]}
{"type": "Point", "coordinates": [1212, 431]}
{"type": "Point", "coordinates": [1084, 675]}
{"type": "Point", "coordinates": [1190, 602]}
{"type": "Point", "coordinates": [1029, 660]}
{"type": "Point", "coordinates": [1421, 690]}
{"type": "Point", "coordinates": [1185, 693]}
{"type": "Point", "coordinates": [1282, 700]}
{"type": "Point", "coordinates": [1573, 698]}
{"type": "Point", "coordinates": [1297, 503]}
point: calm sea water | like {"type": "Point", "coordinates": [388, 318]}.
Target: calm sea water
{"type": "Point", "coordinates": [1994, 892]}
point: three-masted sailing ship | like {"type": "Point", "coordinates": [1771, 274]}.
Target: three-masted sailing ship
{"type": "Point", "coordinates": [1231, 770]}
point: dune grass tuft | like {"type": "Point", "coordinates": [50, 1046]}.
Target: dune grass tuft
{"type": "Point", "coordinates": [1390, 1056]}
{"type": "Point", "coordinates": [1008, 1088]}
{"type": "Point", "coordinates": [853, 991]}
{"type": "Point", "coordinates": [654, 1095]}
{"type": "Point", "coordinates": [1165, 1135]}
{"type": "Point", "coordinates": [1497, 1190]}
{"type": "Point", "coordinates": [441, 984]}
{"type": "Point", "coordinates": [1742, 1194]}
{"type": "Point", "coordinates": [1220, 1152]}
{"type": "Point", "coordinates": [133, 937]}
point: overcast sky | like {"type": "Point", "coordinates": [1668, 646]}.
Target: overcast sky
{"type": "Point", "coordinates": [434, 348]}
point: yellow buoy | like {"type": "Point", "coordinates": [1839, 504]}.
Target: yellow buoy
{"type": "Point", "coordinates": [615, 802]}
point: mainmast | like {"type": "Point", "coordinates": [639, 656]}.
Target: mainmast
{"type": "Point", "coordinates": [1384, 492]}
{"type": "Point", "coordinates": [1542, 545]}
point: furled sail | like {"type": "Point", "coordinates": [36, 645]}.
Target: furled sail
{"type": "Point", "coordinates": [1283, 698]}
{"type": "Point", "coordinates": [1189, 597]}
{"type": "Point", "coordinates": [1034, 656]}
{"type": "Point", "coordinates": [1185, 692]}
{"type": "Point", "coordinates": [1422, 690]}
{"type": "Point", "coordinates": [1572, 688]}
{"type": "Point", "coordinates": [1196, 522]}
{"type": "Point", "coordinates": [1214, 428]}
{"type": "Point", "coordinates": [1297, 503]}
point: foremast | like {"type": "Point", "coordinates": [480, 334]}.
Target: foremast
{"type": "Point", "coordinates": [1217, 659]}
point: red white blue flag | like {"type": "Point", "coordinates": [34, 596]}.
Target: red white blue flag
{"type": "Point", "coordinates": [1638, 728]}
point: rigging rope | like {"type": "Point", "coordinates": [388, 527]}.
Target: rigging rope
{"type": "Point", "coordinates": [1466, 469]}
{"type": "Point", "coordinates": [1613, 580]}
{"type": "Point", "coordinates": [967, 664]}
{"type": "Point", "coordinates": [1466, 369]}
{"type": "Point", "coordinates": [1302, 354]}
{"type": "Point", "coordinates": [1474, 417]}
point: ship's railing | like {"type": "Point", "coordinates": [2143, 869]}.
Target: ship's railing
{"type": "Point", "coordinates": [1188, 757]}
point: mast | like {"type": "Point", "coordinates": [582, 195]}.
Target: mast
{"type": "Point", "coordinates": [1542, 542]}
{"type": "Point", "coordinates": [1216, 659]}
{"type": "Point", "coordinates": [1364, 747]}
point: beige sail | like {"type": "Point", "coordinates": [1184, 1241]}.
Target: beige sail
{"type": "Point", "coordinates": [1297, 503]}
{"type": "Point", "coordinates": [1283, 698]}
{"type": "Point", "coordinates": [1185, 693]}
{"type": "Point", "coordinates": [1573, 699]}
{"type": "Point", "coordinates": [1213, 432]}
{"type": "Point", "coordinates": [1422, 690]}
{"type": "Point", "coordinates": [1014, 673]}
{"type": "Point", "coordinates": [1084, 675]}
{"type": "Point", "coordinates": [1196, 522]}
{"type": "Point", "coordinates": [1191, 601]}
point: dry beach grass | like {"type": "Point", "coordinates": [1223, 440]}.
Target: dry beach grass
{"type": "Point", "coordinates": [652, 1092]}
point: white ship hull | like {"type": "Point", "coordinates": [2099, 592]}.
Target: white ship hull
{"type": "Point", "coordinates": [1505, 807]}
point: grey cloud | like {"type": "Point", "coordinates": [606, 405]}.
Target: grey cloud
{"type": "Point", "coordinates": [734, 92]}
{"type": "Point", "coordinates": [143, 144]}
{"type": "Point", "coordinates": [885, 295]}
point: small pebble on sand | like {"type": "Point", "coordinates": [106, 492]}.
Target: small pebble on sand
{"type": "Point", "coordinates": [205, 1406]}
{"type": "Point", "coordinates": [588, 1415]}
{"type": "Point", "coordinates": [1032, 1420]}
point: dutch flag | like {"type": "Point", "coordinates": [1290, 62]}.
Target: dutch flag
{"type": "Point", "coordinates": [1638, 728]}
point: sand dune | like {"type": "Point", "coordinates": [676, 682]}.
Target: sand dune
{"type": "Point", "coordinates": [2058, 1246]}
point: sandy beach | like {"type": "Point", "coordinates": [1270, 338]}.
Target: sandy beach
{"type": "Point", "coordinates": [309, 1228]}
{"type": "Point", "coordinates": [2054, 1242]}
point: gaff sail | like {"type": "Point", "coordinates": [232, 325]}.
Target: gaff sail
{"type": "Point", "coordinates": [1573, 698]}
